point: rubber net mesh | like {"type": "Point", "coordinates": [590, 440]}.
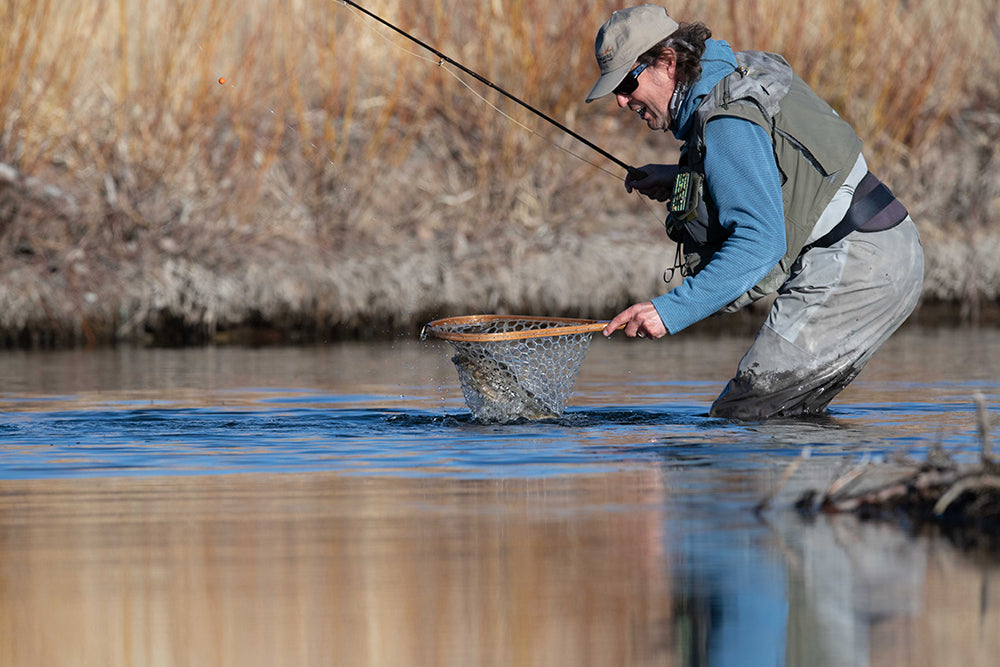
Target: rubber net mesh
{"type": "Point", "coordinates": [510, 379]}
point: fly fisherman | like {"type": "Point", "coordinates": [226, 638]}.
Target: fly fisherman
{"type": "Point", "coordinates": [771, 194]}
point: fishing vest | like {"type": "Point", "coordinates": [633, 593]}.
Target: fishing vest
{"type": "Point", "coordinates": [814, 149]}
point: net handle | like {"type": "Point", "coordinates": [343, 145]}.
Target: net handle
{"type": "Point", "coordinates": [567, 326]}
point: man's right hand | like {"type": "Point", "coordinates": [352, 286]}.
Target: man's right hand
{"type": "Point", "coordinates": [640, 321]}
{"type": "Point", "coordinates": [658, 183]}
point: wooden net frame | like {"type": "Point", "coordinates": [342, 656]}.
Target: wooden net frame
{"type": "Point", "coordinates": [487, 328]}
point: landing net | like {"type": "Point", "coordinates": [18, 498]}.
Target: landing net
{"type": "Point", "coordinates": [515, 367]}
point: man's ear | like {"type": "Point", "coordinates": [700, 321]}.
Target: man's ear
{"type": "Point", "coordinates": [670, 60]}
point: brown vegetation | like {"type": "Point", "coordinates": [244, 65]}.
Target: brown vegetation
{"type": "Point", "coordinates": [341, 182]}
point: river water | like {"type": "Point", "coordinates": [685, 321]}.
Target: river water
{"type": "Point", "coordinates": [334, 505]}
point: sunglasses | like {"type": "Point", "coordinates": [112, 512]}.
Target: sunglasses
{"type": "Point", "coordinates": [630, 82]}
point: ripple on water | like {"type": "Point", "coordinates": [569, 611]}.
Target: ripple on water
{"type": "Point", "coordinates": [282, 434]}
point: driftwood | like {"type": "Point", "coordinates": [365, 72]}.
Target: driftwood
{"type": "Point", "coordinates": [963, 500]}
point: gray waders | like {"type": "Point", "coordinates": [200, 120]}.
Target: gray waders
{"type": "Point", "coordinates": [837, 307]}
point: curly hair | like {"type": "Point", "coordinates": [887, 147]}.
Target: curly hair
{"type": "Point", "coordinates": [688, 42]}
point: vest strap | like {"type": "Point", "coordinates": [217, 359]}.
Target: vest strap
{"type": "Point", "coordinates": [873, 209]}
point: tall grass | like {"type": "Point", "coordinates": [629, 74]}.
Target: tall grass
{"type": "Point", "coordinates": [333, 139]}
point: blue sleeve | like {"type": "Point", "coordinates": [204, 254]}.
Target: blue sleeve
{"type": "Point", "coordinates": [742, 179]}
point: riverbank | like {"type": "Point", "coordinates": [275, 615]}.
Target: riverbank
{"type": "Point", "coordinates": [80, 268]}
{"type": "Point", "coordinates": [241, 287]}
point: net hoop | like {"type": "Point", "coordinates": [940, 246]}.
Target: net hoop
{"type": "Point", "coordinates": [453, 328]}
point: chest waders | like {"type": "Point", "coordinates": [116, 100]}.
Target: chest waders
{"type": "Point", "coordinates": [814, 150]}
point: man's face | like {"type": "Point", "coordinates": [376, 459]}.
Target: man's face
{"type": "Point", "coordinates": [651, 98]}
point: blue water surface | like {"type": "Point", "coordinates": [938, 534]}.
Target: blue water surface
{"type": "Point", "coordinates": [311, 431]}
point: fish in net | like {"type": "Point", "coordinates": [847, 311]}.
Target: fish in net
{"type": "Point", "coordinates": [515, 367]}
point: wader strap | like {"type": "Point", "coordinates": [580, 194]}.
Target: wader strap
{"type": "Point", "coordinates": [873, 209]}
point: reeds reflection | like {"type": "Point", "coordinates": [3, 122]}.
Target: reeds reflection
{"type": "Point", "coordinates": [333, 570]}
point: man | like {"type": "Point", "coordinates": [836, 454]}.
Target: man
{"type": "Point", "coordinates": [778, 199]}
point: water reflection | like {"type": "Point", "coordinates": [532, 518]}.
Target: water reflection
{"type": "Point", "coordinates": [322, 569]}
{"type": "Point", "coordinates": [325, 569]}
{"type": "Point", "coordinates": [862, 593]}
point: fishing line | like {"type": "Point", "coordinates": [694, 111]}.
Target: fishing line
{"type": "Point", "coordinates": [635, 173]}
{"type": "Point", "coordinates": [503, 113]}
{"type": "Point", "coordinates": [440, 62]}
{"type": "Point", "coordinates": [525, 127]}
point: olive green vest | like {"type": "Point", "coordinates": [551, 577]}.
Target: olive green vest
{"type": "Point", "coordinates": [814, 149]}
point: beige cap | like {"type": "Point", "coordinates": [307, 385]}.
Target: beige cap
{"type": "Point", "coordinates": [623, 38]}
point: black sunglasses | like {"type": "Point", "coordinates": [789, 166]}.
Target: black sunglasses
{"type": "Point", "coordinates": [631, 81]}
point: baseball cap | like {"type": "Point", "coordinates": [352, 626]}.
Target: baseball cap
{"type": "Point", "coordinates": [623, 38]}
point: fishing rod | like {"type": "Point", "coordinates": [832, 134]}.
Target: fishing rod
{"type": "Point", "coordinates": [636, 174]}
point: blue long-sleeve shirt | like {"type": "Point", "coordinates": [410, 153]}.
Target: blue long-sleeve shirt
{"type": "Point", "coordinates": [742, 178]}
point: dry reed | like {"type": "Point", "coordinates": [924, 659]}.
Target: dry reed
{"type": "Point", "coordinates": [342, 182]}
